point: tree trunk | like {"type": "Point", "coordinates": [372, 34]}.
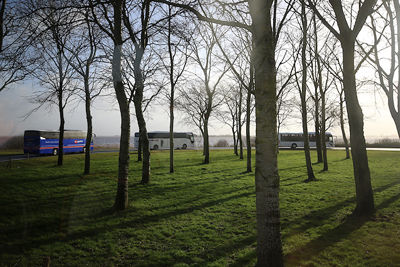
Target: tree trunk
{"type": "Point", "coordinates": [316, 100]}
{"type": "Point", "coordinates": [240, 141]}
{"type": "Point", "coordinates": [172, 96]}
{"type": "Point", "coordinates": [61, 134]}
{"type": "Point", "coordinates": [323, 132]}
{"type": "Point", "coordinates": [206, 143]}
{"type": "Point", "coordinates": [248, 138]}
{"type": "Point", "coordinates": [171, 133]}
{"type": "Point", "coordinates": [317, 127]}
{"type": "Point", "coordinates": [303, 93]}
{"type": "Point", "coordinates": [60, 105]}
{"type": "Point", "coordinates": [364, 195]}
{"type": "Point", "coordinates": [121, 199]}
{"type": "Point", "coordinates": [346, 142]}
{"type": "Point", "coordinates": [235, 148]}
{"type": "Point", "coordinates": [89, 134]}
{"type": "Point", "coordinates": [139, 157]}
{"type": "Point", "coordinates": [269, 245]}
{"type": "Point", "coordinates": [138, 101]}
{"type": "Point", "coordinates": [239, 123]}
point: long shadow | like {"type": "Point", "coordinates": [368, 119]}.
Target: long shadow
{"type": "Point", "coordinates": [208, 180]}
{"type": "Point", "coordinates": [316, 217]}
{"type": "Point", "coordinates": [140, 222]}
{"type": "Point", "coordinates": [291, 168]}
{"type": "Point", "coordinates": [314, 247]}
{"type": "Point", "coordinates": [181, 203]}
{"type": "Point", "coordinates": [224, 250]}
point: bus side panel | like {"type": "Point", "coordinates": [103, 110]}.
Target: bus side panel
{"type": "Point", "coordinates": [48, 145]}
{"type": "Point", "coordinates": [74, 145]}
{"type": "Point", "coordinates": [31, 144]}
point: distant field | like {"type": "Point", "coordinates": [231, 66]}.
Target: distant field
{"type": "Point", "coordinates": [201, 215]}
{"type": "Point", "coordinates": [11, 152]}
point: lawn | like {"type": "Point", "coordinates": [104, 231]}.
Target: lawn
{"type": "Point", "coordinates": [200, 215]}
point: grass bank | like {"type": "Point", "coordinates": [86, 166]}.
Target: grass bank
{"type": "Point", "coordinates": [200, 215]}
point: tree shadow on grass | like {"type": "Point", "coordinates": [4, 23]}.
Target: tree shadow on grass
{"type": "Point", "coordinates": [317, 217]}
{"type": "Point", "coordinates": [222, 251]}
{"type": "Point", "coordinates": [331, 237]}
{"type": "Point", "coordinates": [140, 222]}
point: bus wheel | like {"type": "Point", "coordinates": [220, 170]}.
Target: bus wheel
{"type": "Point", "coordinates": [55, 152]}
{"type": "Point", "coordinates": [155, 147]}
{"type": "Point", "coordinates": [294, 146]}
{"type": "Point", "coordinates": [184, 146]}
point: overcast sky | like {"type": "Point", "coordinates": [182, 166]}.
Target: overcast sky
{"type": "Point", "coordinates": [14, 104]}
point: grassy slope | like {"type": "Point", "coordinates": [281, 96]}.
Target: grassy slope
{"type": "Point", "coordinates": [201, 215]}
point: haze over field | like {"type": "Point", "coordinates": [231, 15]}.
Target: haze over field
{"type": "Point", "coordinates": [14, 105]}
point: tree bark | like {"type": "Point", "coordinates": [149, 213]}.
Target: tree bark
{"type": "Point", "coordinates": [138, 100]}
{"type": "Point", "coordinates": [323, 103]}
{"type": "Point", "coordinates": [316, 100]}
{"type": "Point", "coordinates": [172, 96]}
{"type": "Point", "coordinates": [60, 104]}
{"type": "Point", "coordinates": [310, 172]}
{"type": "Point", "coordinates": [139, 149]}
{"type": "Point", "coordinates": [61, 130]}
{"type": "Point", "coordinates": [206, 142]}
{"type": "Point", "coordinates": [269, 244]}
{"type": "Point", "coordinates": [171, 133]}
{"type": "Point", "coordinates": [235, 148]}
{"type": "Point", "coordinates": [239, 123]}
{"type": "Point", "coordinates": [364, 195]}
{"type": "Point", "coordinates": [248, 138]}
{"type": "Point", "coordinates": [121, 199]}
{"type": "Point", "coordinates": [346, 142]}
{"type": "Point", "coordinates": [89, 134]}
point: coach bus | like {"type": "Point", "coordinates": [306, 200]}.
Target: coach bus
{"type": "Point", "coordinates": [294, 140]}
{"type": "Point", "coordinates": [46, 142]}
{"type": "Point", "coordinates": [160, 140]}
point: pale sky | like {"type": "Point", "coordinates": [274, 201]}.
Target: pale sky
{"type": "Point", "coordinates": [14, 105]}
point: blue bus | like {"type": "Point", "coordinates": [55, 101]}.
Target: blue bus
{"type": "Point", "coordinates": [46, 142]}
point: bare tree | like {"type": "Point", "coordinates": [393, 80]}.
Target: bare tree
{"type": "Point", "coordinates": [303, 92]}
{"type": "Point", "coordinates": [334, 67]}
{"type": "Point", "coordinates": [266, 25]}
{"type": "Point", "coordinates": [240, 63]}
{"type": "Point", "coordinates": [347, 35]}
{"type": "Point", "coordinates": [192, 103]}
{"type": "Point", "coordinates": [229, 116]}
{"type": "Point", "coordinates": [204, 58]}
{"type": "Point", "coordinates": [175, 65]}
{"type": "Point", "coordinates": [111, 24]}
{"type": "Point", "coordinates": [314, 59]}
{"type": "Point", "coordinates": [322, 81]}
{"type": "Point", "coordinates": [388, 68]}
{"type": "Point", "coordinates": [82, 54]}
{"type": "Point", "coordinates": [15, 39]}
{"type": "Point", "coordinates": [53, 71]}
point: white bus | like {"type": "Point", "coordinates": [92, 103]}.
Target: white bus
{"type": "Point", "coordinates": [294, 140]}
{"type": "Point", "coordinates": [160, 140]}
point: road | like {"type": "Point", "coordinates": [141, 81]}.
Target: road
{"type": "Point", "coordinates": [5, 158]}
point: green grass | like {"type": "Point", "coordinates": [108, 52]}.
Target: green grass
{"type": "Point", "coordinates": [6, 152]}
{"type": "Point", "coordinates": [200, 215]}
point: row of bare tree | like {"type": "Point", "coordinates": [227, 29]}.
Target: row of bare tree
{"type": "Point", "coordinates": [266, 56]}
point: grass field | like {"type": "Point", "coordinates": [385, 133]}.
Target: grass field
{"type": "Point", "coordinates": [201, 215]}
